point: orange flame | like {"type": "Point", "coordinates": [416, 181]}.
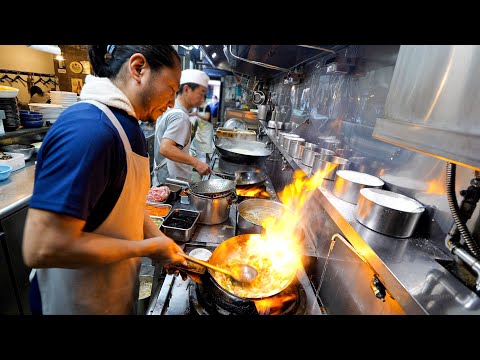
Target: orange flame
{"type": "Point", "coordinates": [255, 191]}
{"type": "Point", "coordinates": [277, 253]}
{"type": "Point", "coordinates": [436, 186]}
{"type": "Point", "coordinates": [273, 305]}
{"type": "Point", "coordinates": [282, 236]}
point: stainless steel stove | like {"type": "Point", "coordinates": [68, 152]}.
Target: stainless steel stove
{"type": "Point", "coordinates": [174, 296]}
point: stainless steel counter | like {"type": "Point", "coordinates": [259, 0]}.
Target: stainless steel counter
{"type": "Point", "coordinates": [409, 268]}
{"type": "Point", "coordinates": [16, 191]}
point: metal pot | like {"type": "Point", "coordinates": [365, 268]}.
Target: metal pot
{"type": "Point", "coordinates": [237, 247]}
{"type": "Point", "coordinates": [246, 225]}
{"type": "Point", "coordinates": [348, 184]}
{"type": "Point", "coordinates": [295, 150]}
{"type": "Point", "coordinates": [242, 152]}
{"type": "Point", "coordinates": [309, 153]}
{"type": "Point", "coordinates": [388, 212]}
{"type": "Point", "coordinates": [328, 165]}
{"type": "Point", "coordinates": [213, 210]}
{"type": "Point", "coordinates": [262, 112]}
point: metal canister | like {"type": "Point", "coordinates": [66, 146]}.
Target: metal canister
{"type": "Point", "coordinates": [388, 213]}
{"type": "Point", "coordinates": [328, 165]}
{"type": "Point", "coordinates": [287, 140]}
{"type": "Point", "coordinates": [296, 147]}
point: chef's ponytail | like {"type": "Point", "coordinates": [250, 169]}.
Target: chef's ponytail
{"type": "Point", "coordinates": [107, 60]}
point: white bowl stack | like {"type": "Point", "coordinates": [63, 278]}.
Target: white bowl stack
{"type": "Point", "coordinates": [50, 111]}
{"type": "Point", "coordinates": [63, 98]}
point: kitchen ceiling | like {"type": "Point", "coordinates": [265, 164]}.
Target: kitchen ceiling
{"type": "Point", "coordinates": [264, 61]}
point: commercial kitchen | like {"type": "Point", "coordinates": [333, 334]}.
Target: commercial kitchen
{"type": "Point", "coordinates": [364, 159]}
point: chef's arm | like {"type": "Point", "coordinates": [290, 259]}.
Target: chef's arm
{"type": "Point", "coordinates": [169, 149]}
{"type": "Point", "coordinates": [56, 240]}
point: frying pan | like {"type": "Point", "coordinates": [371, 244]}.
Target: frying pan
{"type": "Point", "coordinates": [242, 151]}
{"type": "Point", "coordinates": [237, 248]}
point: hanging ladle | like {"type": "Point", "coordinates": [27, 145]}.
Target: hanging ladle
{"type": "Point", "coordinates": [240, 272]}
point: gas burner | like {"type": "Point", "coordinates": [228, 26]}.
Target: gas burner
{"type": "Point", "coordinates": [230, 167]}
{"type": "Point", "coordinates": [290, 301]}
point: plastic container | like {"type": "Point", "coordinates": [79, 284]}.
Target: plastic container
{"type": "Point", "coordinates": [16, 162]}
{"type": "Point", "coordinates": [5, 171]}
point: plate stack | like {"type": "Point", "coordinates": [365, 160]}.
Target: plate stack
{"type": "Point", "coordinates": [63, 98]}
{"type": "Point", "coordinates": [50, 112]}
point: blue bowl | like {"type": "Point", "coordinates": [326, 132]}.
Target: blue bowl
{"type": "Point", "coordinates": [29, 112]}
{"type": "Point", "coordinates": [31, 116]}
{"type": "Point", "coordinates": [5, 171]}
{"type": "Point", "coordinates": [32, 123]}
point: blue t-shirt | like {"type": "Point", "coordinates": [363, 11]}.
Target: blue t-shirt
{"type": "Point", "coordinates": [81, 165]}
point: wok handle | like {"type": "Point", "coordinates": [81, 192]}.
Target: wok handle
{"type": "Point", "coordinates": [177, 182]}
{"type": "Point", "coordinates": [206, 264]}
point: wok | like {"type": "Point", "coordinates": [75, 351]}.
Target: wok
{"type": "Point", "coordinates": [236, 249]}
{"type": "Point", "coordinates": [244, 178]}
{"type": "Point", "coordinates": [242, 151]}
{"type": "Point", "coordinates": [248, 178]}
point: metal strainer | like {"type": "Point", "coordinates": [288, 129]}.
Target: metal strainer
{"type": "Point", "coordinates": [211, 187]}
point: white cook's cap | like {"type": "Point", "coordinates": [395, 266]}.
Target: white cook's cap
{"type": "Point", "coordinates": [194, 76]}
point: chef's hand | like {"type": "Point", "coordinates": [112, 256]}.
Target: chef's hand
{"type": "Point", "coordinates": [203, 168]}
{"type": "Point", "coordinates": [167, 251]}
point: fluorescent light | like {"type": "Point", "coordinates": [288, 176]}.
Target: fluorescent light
{"type": "Point", "coordinates": [214, 55]}
{"type": "Point", "coordinates": [52, 49]}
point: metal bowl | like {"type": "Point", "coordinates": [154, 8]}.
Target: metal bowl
{"type": "Point", "coordinates": [349, 183]}
{"type": "Point", "coordinates": [26, 150]}
{"type": "Point", "coordinates": [235, 123]}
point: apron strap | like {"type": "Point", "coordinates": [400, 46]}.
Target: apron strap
{"type": "Point", "coordinates": [114, 121]}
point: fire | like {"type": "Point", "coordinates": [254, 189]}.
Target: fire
{"type": "Point", "coordinates": [281, 241]}
{"type": "Point", "coordinates": [273, 305]}
{"type": "Point", "coordinates": [253, 191]}
{"type": "Point", "coordinates": [436, 186]}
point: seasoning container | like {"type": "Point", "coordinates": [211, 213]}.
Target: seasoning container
{"type": "Point", "coordinates": [308, 155]}
{"type": "Point", "coordinates": [180, 224]}
{"type": "Point", "coordinates": [388, 213]}
{"type": "Point", "coordinates": [296, 147]}
{"type": "Point", "coordinates": [349, 183]}
{"type": "Point", "coordinates": [328, 165]}
{"type": "Point", "coordinates": [287, 140]}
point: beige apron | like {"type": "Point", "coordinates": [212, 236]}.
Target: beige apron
{"type": "Point", "coordinates": [110, 288]}
{"type": "Point", "coordinates": [203, 140]}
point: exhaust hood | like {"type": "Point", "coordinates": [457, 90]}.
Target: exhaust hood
{"type": "Point", "coordinates": [264, 61]}
{"type": "Point", "coordinates": [433, 103]}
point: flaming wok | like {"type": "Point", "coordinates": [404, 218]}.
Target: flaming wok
{"type": "Point", "coordinates": [272, 277]}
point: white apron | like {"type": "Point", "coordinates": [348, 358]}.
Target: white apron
{"type": "Point", "coordinates": [111, 288]}
{"type": "Point", "coordinates": [203, 140]}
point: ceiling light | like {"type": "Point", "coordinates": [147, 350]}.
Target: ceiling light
{"type": "Point", "coordinates": [52, 49]}
{"type": "Point", "coordinates": [214, 55]}
{"type": "Point", "coordinates": [59, 57]}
